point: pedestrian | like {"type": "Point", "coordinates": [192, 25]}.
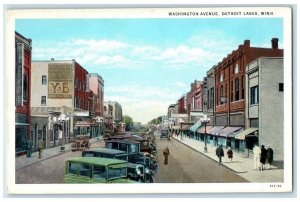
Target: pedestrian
{"type": "Point", "coordinates": [40, 148]}
{"type": "Point", "coordinates": [230, 154]}
{"type": "Point", "coordinates": [263, 157]}
{"type": "Point", "coordinates": [220, 153]}
{"type": "Point", "coordinates": [270, 154]}
{"type": "Point", "coordinates": [166, 153]}
{"type": "Point", "coordinates": [256, 154]}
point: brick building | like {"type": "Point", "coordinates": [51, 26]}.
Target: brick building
{"type": "Point", "coordinates": [230, 82]}
{"type": "Point", "coordinates": [23, 50]}
{"type": "Point", "coordinates": [97, 86]}
{"type": "Point", "coordinates": [62, 102]}
{"type": "Point", "coordinates": [195, 101]}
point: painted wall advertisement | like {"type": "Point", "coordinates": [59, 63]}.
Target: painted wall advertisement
{"type": "Point", "coordinates": [60, 84]}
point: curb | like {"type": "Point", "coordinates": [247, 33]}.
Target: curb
{"type": "Point", "coordinates": [209, 156]}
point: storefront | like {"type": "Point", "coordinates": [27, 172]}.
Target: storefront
{"type": "Point", "coordinates": [246, 139]}
{"type": "Point", "coordinates": [226, 136]}
{"type": "Point", "coordinates": [23, 142]}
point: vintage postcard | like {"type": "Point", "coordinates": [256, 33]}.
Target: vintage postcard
{"type": "Point", "coordinates": [149, 100]}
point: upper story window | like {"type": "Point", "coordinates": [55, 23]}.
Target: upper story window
{"type": "Point", "coordinates": [236, 68]}
{"type": "Point", "coordinates": [43, 100]}
{"type": "Point", "coordinates": [254, 95]}
{"type": "Point", "coordinates": [237, 89]}
{"type": "Point", "coordinates": [25, 87]}
{"type": "Point", "coordinates": [231, 91]}
{"type": "Point", "coordinates": [221, 77]}
{"type": "Point", "coordinates": [243, 88]}
{"type": "Point", "coordinates": [44, 80]}
{"type": "Point", "coordinates": [281, 87]}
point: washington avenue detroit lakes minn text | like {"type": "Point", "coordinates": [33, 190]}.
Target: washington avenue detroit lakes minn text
{"type": "Point", "coordinates": [248, 13]}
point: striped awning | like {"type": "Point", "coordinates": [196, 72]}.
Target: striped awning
{"type": "Point", "coordinates": [243, 134]}
{"type": "Point", "coordinates": [195, 127]}
{"type": "Point", "coordinates": [229, 131]}
{"type": "Point", "coordinates": [202, 129]}
{"type": "Point", "coordinates": [215, 130]}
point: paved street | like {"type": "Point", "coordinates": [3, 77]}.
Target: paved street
{"type": "Point", "coordinates": [188, 166]}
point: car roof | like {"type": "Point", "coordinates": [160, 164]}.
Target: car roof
{"type": "Point", "coordinates": [124, 141]}
{"type": "Point", "coordinates": [106, 150]}
{"type": "Point", "coordinates": [96, 161]}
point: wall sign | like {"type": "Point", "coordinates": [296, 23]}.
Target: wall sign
{"type": "Point", "coordinates": [60, 85]}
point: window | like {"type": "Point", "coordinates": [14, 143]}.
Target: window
{"type": "Point", "coordinates": [44, 80]}
{"type": "Point", "coordinates": [217, 96]}
{"type": "Point", "coordinates": [221, 77]}
{"type": "Point", "coordinates": [231, 92]}
{"type": "Point", "coordinates": [243, 89]}
{"type": "Point", "coordinates": [99, 172]}
{"type": "Point", "coordinates": [211, 105]}
{"type": "Point", "coordinates": [281, 87]}
{"type": "Point", "coordinates": [43, 100]}
{"type": "Point", "coordinates": [254, 95]}
{"type": "Point", "coordinates": [25, 87]}
{"type": "Point", "coordinates": [85, 170]}
{"type": "Point", "coordinates": [236, 69]}
{"type": "Point", "coordinates": [73, 167]}
{"type": "Point", "coordinates": [237, 89]}
{"type": "Point", "coordinates": [225, 90]}
{"type": "Point", "coordinates": [221, 94]}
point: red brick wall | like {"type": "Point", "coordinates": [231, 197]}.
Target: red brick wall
{"type": "Point", "coordinates": [242, 56]}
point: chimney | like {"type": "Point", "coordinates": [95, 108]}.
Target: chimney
{"type": "Point", "coordinates": [247, 42]}
{"type": "Point", "coordinates": [274, 43]}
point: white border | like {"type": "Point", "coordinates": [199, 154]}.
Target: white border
{"type": "Point", "coordinates": [12, 15]}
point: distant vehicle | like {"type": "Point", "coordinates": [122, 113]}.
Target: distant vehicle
{"type": "Point", "coordinates": [164, 133]}
{"type": "Point", "coordinates": [124, 145]}
{"type": "Point", "coordinates": [96, 170]}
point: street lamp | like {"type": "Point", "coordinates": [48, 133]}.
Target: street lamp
{"type": "Point", "coordinates": [205, 121]}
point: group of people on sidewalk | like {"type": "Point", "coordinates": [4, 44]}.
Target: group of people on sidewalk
{"type": "Point", "coordinates": [262, 156]}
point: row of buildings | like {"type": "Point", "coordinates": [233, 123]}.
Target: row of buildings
{"type": "Point", "coordinates": [56, 100]}
{"type": "Point", "coordinates": [240, 101]}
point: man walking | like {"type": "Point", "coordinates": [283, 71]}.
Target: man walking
{"type": "Point", "coordinates": [166, 153]}
{"type": "Point", "coordinates": [220, 153]}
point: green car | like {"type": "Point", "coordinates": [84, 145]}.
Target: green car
{"type": "Point", "coordinates": [96, 170]}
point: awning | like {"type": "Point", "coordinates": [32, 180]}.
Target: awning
{"type": "Point", "coordinates": [185, 127]}
{"type": "Point", "coordinates": [195, 127]}
{"type": "Point", "coordinates": [215, 130]}
{"type": "Point", "coordinates": [243, 134]}
{"type": "Point", "coordinates": [228, 131]}
{"type": "Point", "coordinates": [202, 129]}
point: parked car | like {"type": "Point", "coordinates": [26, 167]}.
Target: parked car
{"type": "Point", "coordinates": [96, 170]}
{"type": "Point", "coordinates": [137, 168]}
{"type": "Point", "coordinates": [105, 153]}
{"type": "Point", "coordinates": [124, 145]}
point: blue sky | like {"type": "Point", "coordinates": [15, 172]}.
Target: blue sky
{"type": "Point", "coordinates": [147, 64]}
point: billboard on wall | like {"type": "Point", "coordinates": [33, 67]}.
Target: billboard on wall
{"type": "Point", "coordinates": [60, 77]}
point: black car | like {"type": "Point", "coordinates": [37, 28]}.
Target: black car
{"type": "Point", "coordinates": [164, 134]}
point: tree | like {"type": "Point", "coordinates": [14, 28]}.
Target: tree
{"type": "Point", "coordinates": [128, 122]}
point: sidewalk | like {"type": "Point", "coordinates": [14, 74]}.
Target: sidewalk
{"type": "Point", "coordinates": [24, 161]}
{"type": "Point", "coordinates": [241, 164]}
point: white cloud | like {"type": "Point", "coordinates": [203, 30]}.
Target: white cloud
{"type": "Point", "coordinates": [137, 100]}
